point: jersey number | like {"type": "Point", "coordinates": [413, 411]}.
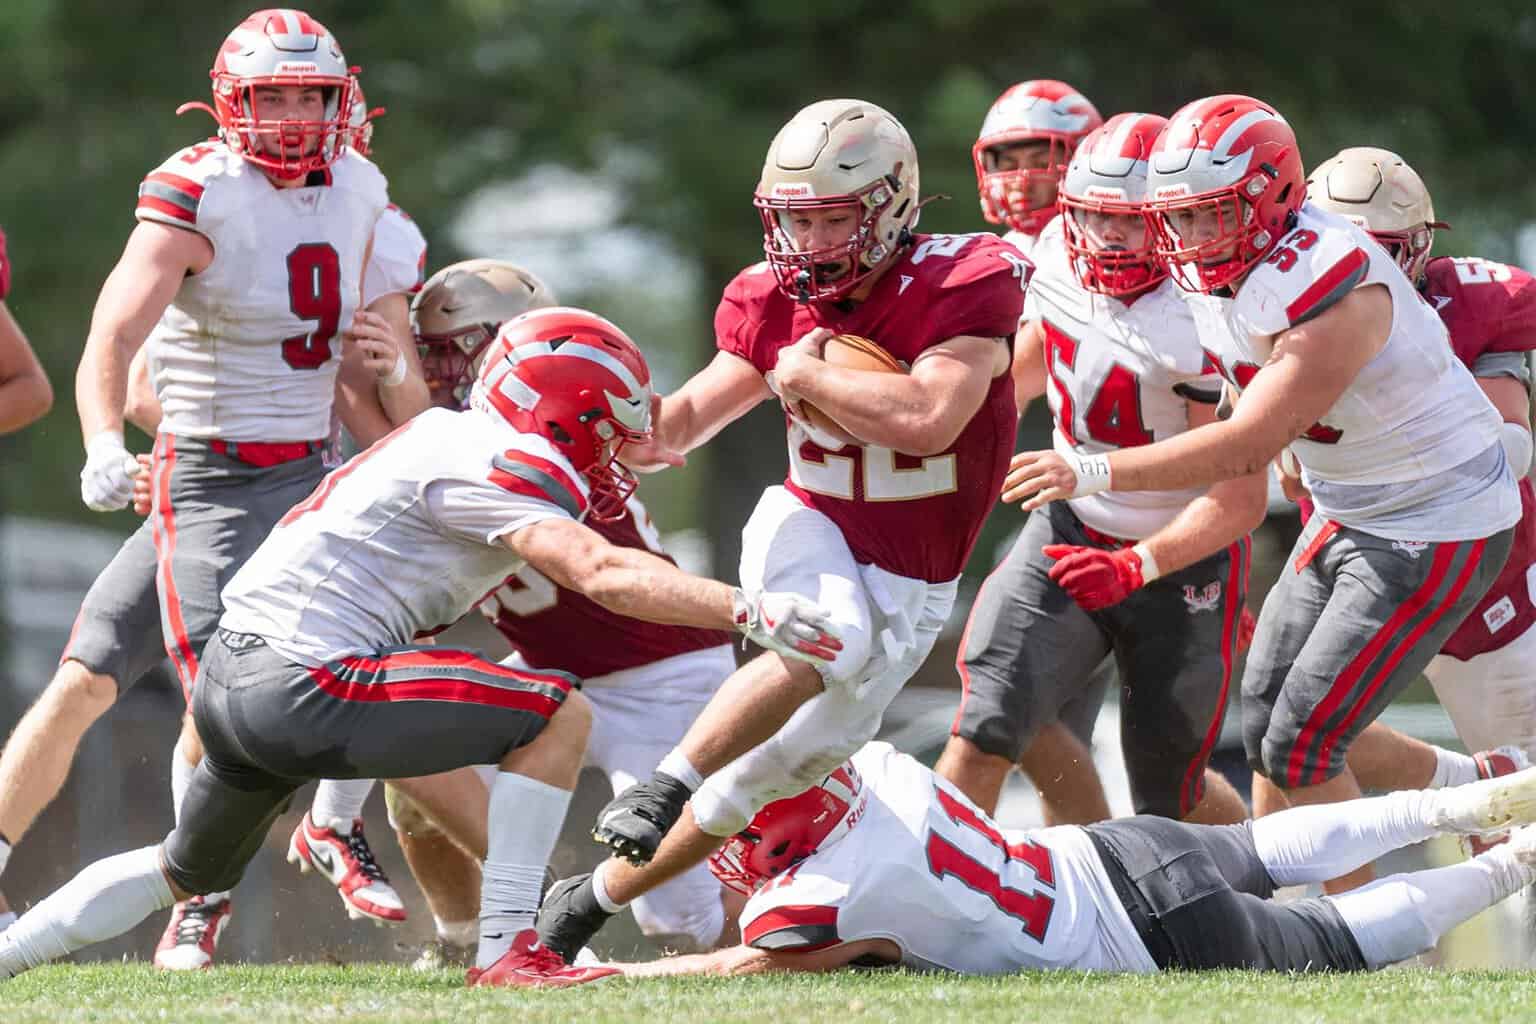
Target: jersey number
{"type": "Point", "coordinates": [888, 475]}
{"type": "Point", "coordinates": [526, 592]}
{"type": "Point", "coordinates": [1114, 415]}
{"type": "Point", "coordinates": [1241, 374]}
{"type": "Point", "coordinates": [1285, 256]}
{"type": "Point", "coordinates": [1474, 270]}
{"type": "Point", "coordinates": [314, 293]}
{"type": "Point", "coordinates": [946, 859]}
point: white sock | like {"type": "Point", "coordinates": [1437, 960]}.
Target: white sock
{"type": "Point", "coordinates": [181, 781]}
{"type": "Point", "coordinates": [460, 933]}
{"type": "Point", "coordinates": [1452, 769]}
{"type": "Point", "coordinates": [1403, 915]}
{"type": "Point", "coordinates": [339, 800]}
{"type": "Point", "coordinates": [524, 822]}
{"type": "Point", "coordinates": [600, 889]}
{"type": "Point", "coordinates": [1321, 841]}
{"type": "Point", "coordinates": [5, 855]}
{"type": "Point", "coordinates": [7, 919]}
{"type": "Point", "coordinates": [677, 765]}
{"type": "Point", "coordinates": [101, 902]}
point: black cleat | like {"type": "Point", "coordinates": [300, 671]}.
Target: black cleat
{"type": "Point", "coordinates": [570, 916]}
{"type": "Point", "coordinates": [635, 822]}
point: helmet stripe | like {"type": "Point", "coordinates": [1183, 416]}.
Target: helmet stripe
{"type": "Point", "coordinates": [591, 353]}
{"type": "Point", "coordinates": [1222, 150]}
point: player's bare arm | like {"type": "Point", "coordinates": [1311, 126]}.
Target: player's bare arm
{"type": "Point", "coordinates": [718, 395]}
{"type": "Point", "coordinates": [142, 407]}
{"type": "Point", "coordinates": [383, 332]}
{"type": "Point", "coordinates": [25, 394]}
{"type": "Point", "coordinates": [645, 586]}
{"type": "Point", "coordinates": [1309, 367]}
{"type": "Point", "coordinates": [739, 960]}
{"type": "Point", "coordinates": [154, 262]}
{"type": "Point", "coordinates": [1028, 364]}
{"type": "Point", "coordinates": [918, 413]}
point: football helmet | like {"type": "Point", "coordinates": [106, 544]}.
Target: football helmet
{"type": "Point", "coordinates": [787, 831]}
{"type": "Point", "coordinates": [576, 380]}
{"type": "Point", "coordinates": [1108, 174]}
{"type": "Point", "coordinates": [361, 122]}
{"type": "Point", "coordinates": [1234, 160]}
{"type": "Point", "coordinates": [281, 47]}
{"type": "Point", "coordinates": [457, 313]}
{"type": "Point", "coordinates": [837, 153]}
{"type": "Point", "coordinates": [1376, 189]}
{"type": "Point", "coordinates": [1040, 109]}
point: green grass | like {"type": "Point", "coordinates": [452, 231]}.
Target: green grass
{"type": "Point", "coordinates": [273, 995]}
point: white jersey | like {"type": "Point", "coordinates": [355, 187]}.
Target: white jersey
{"type": "Point", "coordinates": [1118, 376]}
{"type": "Point", "coordinates": [1037, 245]}
{"type": "Point", "coordinates": [1411, 448]}
{"type": "Point", "coordinates": [248, 348]}
{"type": "Point", "coordinates": [401, 540]}
{"type": "Point", "coordinates": [925, 869]}
{"type": "Point", "coordinates": [397, 265]}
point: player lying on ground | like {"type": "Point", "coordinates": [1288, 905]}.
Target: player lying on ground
{"type": "Point", "coordinates": [313, 671]}
{"type": "Point", "coordinates": [885, 863]}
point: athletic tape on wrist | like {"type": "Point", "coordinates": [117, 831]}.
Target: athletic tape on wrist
{"type": "Point", "coordinates": [1092, 474]}
{"type": "Point", "coordinates": [1149, 570]}
{"type": "Point", "coordinates": [397, 372]}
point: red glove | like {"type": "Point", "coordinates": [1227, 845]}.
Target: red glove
{"type": "Point", "coordinates": [1094, 577]}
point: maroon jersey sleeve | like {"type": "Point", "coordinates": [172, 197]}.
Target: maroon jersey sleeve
{"type": "Point", "coordinates": [1486, 306]}
{"type": "Point", "coordinates": [980, 292]}
{"type": "Point", "coordinates": [1516, 329]}
{"type": "Point", "coordinates": [738, 318]}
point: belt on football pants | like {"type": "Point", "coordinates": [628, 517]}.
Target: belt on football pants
{"type": "Point", "coordinates": [266, 454]}
{"type": "Point", "coordinates": [1106, 540]}
{"type": "Point", "coordinates": [1159, 946]}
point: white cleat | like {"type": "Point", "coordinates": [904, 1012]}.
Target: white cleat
{"type": "Point", "coordinates": [1489, 805]}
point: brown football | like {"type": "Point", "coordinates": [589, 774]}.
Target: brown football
{"type": "Point", "coordinates": [855, 353]}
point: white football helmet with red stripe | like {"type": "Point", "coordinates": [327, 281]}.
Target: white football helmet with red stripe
{"type": "Point", "coordinates": [787, 831]}
{"type": "Point", "coordinates": [1376, 189]}
{"type": "Point", "coordinates": [281, 47]}
{"type": "Point", "coordinates": [1108, 176]}
{"type": "Point", "coordinates": [1227, 174]}
{"type": "Point", "coordinates": [576, 380]}
{"type": "Point", "coordinates": [1039, 110]}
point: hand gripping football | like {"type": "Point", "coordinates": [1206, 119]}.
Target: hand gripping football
{"type": "Point", "coordinates": [855, 353]}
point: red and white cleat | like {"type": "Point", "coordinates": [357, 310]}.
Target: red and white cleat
{"type": "Point", "coordinates": [1491, 764]}
{"type": "Point", "coordinates": [192, 934]}
{"type": "Point", "coordinates": [531, 965]}
{"type": "Point", "coordinates": [346, 860]}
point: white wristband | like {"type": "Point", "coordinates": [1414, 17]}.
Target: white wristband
{"type": "Point", "coordinates": [1092, 473]}
{"type": "Point", "coordinates": [396, 374]}
{"type": "Point", "coordinates": [1149, 570]}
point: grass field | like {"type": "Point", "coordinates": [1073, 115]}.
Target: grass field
{"type": "Point", "coordinates": [272, 995]}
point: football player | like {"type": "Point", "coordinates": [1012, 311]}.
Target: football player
{"type": "Point", "coordinates": [1158, 578]}
{"type": "Point", "coordinates": [646, 682]}
{"type": "Point", "coordinates": [1026, 141]}
{"type": "Point", "coordinates": [1336, 357]}
{"type": "Point", "coordinates": [245, 266]}
{"type": "Point", "coordinates": [25, 393]}
{"type": "Point", "coordinates": [876, 531]}
{"type": "Point", "coordinates": [886, 863]}
{"type": "Point", "coordinates": [312, 671]}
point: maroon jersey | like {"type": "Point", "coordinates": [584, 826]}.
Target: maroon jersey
{"type": "Point", "coordinates": [552, 627]}
{"type": "Point", "coordinates": [915, 517]}
{"type": "Point", "coordinates": [1489, 307]}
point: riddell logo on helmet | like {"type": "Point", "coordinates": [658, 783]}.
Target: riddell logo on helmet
{"type": "Point", "coordinates": [1103, 192]}
{"type": "Point", "coordinates": [297, 67]}
{"type": "Point", "coordinates": [799, 190]}
{"type": "Point", "coordinates": [1177, 191]}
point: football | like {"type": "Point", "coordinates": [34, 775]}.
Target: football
{"type": "Point", "coordinates": [856, 353]}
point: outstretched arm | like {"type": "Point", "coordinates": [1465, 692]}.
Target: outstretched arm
{"type": "Point", "coordinates": [713, 398]}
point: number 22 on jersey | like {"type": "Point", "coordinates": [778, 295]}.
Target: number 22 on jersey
{"type": "Point", "coordinates": [887, 475]}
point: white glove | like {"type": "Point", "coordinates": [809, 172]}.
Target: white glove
{"type": "Point", "coordinates": [787, 624]}
{"type": "Point", "coordinates": [106, 482]}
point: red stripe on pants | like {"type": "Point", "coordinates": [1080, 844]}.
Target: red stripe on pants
{"type": "Point", "coordinates": [460, 691]}
{"type": "Point", "coordinates": [1237, 579]}
{"type": "Point", "coordinates": [178, 646]}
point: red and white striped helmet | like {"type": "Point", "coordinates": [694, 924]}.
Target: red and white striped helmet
{"type": "Point", "coordinates": [361, 122]}
{"type": "Point", "coordinates": [1108, 174]}
{"type": "Point", "coordinates": [1039, 109]}
{"type": "Point", "coordinates": [1233, 156]}
{"type": "Point", "coordinates": [281, 47]}
{"type": "Point", "coordinates": [576, 380]}
{"type": "Point", "coordinates": [787, 831]}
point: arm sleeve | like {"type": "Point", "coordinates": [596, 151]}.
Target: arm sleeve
{"type": "Point", "coordinates": [1502, 364]}
{"type": "Point", "coordinates": [399, 257]}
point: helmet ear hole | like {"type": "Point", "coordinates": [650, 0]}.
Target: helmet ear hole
{"type": "Point", "coordinates": [558, 433]}
{"type": "Point", "coordinates": [780, 850]}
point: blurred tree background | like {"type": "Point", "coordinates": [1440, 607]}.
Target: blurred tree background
{"type": "Point", "coordinates": [613, 146]}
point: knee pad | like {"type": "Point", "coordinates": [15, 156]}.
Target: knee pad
{"type": "Point", "coordinates": [406, 815]}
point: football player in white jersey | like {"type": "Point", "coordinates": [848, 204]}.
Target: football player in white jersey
{"type": "Point", "coordinates": [247, 262]}
{"type": "Point", "coordinates": [1336, 357]}
{"type": "Point", "coordinates": [886, 863]}
{"type": "Point", "coordinates": [313, 672]}
{"type": "Point", "coordinates": [1156, 578]}
{"type": "Point", "coordinates": [1026, 141]}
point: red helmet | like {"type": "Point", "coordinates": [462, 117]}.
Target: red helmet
{"type": "Point", "coordinates": [577, 381]}
{"type": "Point", "coordinates": [281, 47]}
{"type": "Point", "coordinates": [1233, 158]}
{"type": "Point", "coordinates": [1043, 109]}
{"type": "Point", "coordinates": [361, 122]}
{"type": "Point", "coordinates": [787, 831]}
{"type": "Point", "coordinates": [1108, 174]}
